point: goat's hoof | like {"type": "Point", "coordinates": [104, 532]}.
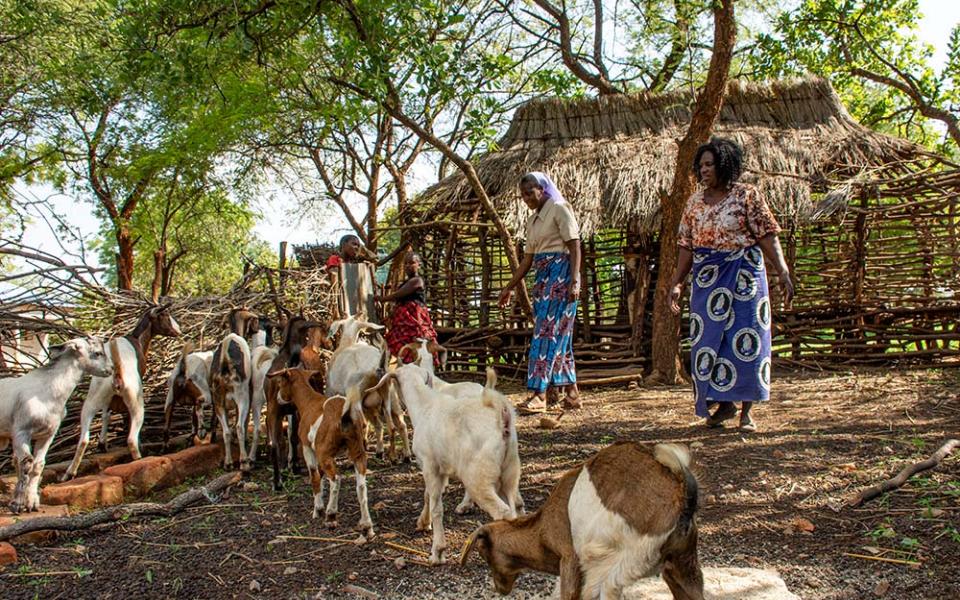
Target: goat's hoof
{"type": "Point", "coordinates": [67, 476]}
{"type": "Point", "coordinates": [246, 465]}
{"type": "Point", "coordinates": [101, 447]}
{"type": "Point", "coordinates": [331, 521]}
{"type": "Point", "coordinates": [463, 509]}
{"type": "Point", "coordinates": [437, 559]}
{"type": "Point", "coordinates": [16, 506]}
{"type": "Point", "coordinates": [422, 527]}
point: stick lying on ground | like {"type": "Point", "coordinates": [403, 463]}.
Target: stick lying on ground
{"type": "Point", "coordinates": [123, 511]}
{"type": "Point", "coordinates": [891, 484]}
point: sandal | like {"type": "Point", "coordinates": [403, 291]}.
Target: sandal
{"type": "Point", "coordinates": [748, 426]}
{"type": "Point", "coordinates": [526, 407]}
{"type": "Point", "coordinates": [726, 411]}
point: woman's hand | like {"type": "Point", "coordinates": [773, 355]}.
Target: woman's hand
{"type": "Point", "coordinates": [786, 288]}
{"type": "Point", "coordinates": [675, 293]}
{"type": "Point", "coordinates": [505, 297]}
{"type": "Point", "coordinates": [573, 294]}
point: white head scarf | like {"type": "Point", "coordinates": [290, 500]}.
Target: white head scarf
{"type": "Point", "coordinates": [549, 188]}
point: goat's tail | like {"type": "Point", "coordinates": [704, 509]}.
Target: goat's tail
{"type": "Point", "coordinates": [490, 394]}
{"type": "Point", "coordinates": [352, 413]}
{"type": "Point", "coordinates": [677, 459]}
{"type": "Point", "coordinates": [182, 363]}
{"type": "Point", "coordinates": [117, 364]}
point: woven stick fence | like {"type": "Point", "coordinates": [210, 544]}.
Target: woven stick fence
{"type": "Point", "coordinates": [49, 300]}
{"type": "Point", "coordinates": [877, 276]}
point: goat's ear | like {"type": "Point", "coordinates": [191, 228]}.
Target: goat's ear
{"type": "Point", "coordinates": [479, 536]}
{"type": "Point", "coordinates": [435, 348]}
{"type": "Point", "coordinates": [282, 373]}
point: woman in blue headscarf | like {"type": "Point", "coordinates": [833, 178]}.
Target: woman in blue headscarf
{"type": "Point", "coordinates": [725, 232]}
{"type": "Point", "coordinates": [553, 248]}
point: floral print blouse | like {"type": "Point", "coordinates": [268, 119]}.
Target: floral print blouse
{"type": "Point", "coordinates": [737, 221]}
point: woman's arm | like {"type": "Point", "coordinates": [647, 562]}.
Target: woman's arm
{"type": "Point", "coordinates": [770, 244]}
{"type": "Point", "coordinates": [409, 286]}
{"type": "Point", "coordinates": [680, 272]}
{"type": "Point", "coordinates": [573, 246]}
{"type": "Point", "coordinates": [522, 269]}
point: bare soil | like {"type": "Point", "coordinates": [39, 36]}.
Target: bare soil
{"type": "Point", "coordinates": [771, 499]}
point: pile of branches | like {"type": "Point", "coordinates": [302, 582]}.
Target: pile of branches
{"type": "Point", "coordinates": [42, 295]}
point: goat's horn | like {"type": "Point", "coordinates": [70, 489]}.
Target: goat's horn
{"type": "Point", "coordinates": [470, 543]}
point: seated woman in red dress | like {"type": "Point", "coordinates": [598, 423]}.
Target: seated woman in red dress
{"type": "Point", "coordinates": [410, 320]}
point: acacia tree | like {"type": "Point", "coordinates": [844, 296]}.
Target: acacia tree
{"type": "Point", "coordinates": [870, 51]}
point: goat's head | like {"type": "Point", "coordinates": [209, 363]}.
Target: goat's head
{"type": "Point", "coordinates": [286, 379]}
{"type": "Point", "coordinates": [424, 352]}
{"type": "Point", "coordinates": [243, 322]}
{"type": "Point", "coordinates": [90, 355]}
{"type": "Point", "coordinates": [503, 566]}
{"type": "Point", "coordinates": [351, 328]}
{"type": "Point", "coordinates": [162, 321]}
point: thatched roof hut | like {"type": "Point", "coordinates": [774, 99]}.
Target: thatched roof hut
{"type": "Point", "coordinates": [614, 156]}
{"type": "Point", "coordinates": [871, 225]}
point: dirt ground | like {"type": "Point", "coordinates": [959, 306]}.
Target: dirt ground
{"type": "Point", "coordinates": [769, 499]}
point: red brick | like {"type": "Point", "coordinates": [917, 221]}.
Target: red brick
{"type": "Point", "coordinates": [198, 460]}
{"type": "Point", "coordinates": [85, 492]}
{"type": "Point", "coordinates": [140, 477]}
{"type": "Point", "coordinates": [8, 554]}
{"type": "Point", "coordinates": [34, 537]}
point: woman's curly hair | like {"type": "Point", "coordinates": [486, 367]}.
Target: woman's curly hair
{"type": "Point", "coordinates": [727, 159]}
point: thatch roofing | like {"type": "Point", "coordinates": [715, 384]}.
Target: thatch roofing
{"type": "Point", "coordinates": [613, 156]}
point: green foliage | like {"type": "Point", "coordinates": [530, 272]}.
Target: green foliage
{"type": "Point", "coordinates": [843, 40]}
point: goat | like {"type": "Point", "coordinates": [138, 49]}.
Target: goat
{"type": "Point", "coordinates": [294, 337]}
{"type": "Point", "coordinates": [624, 514]}
{"type": "Point", "coordinates": [188, 383]}
{"type": "Point", "coordinates": [230, 375]}
{"type": "Point", "coordinates": [243, 322]}
{"type": "Point", "coordinates": [352, 362]}
{"type": "Point", "coordinates": [264, 334]}
{"type": "Point", "coordinates": [424, 353]}
{"type": "Point", "coordinates": [33, 405]}
{"type": "Point", "coordinates": [125, 388]}
{"type": "Point", "coordinates": [473, 439]}
{"type": "Point", "coordinates": [329, 426]}
{"type": "Point", "coordinates": [261, 359]}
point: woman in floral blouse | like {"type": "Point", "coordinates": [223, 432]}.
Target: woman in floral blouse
{"type": "Point", "coordinates": [725, 232]}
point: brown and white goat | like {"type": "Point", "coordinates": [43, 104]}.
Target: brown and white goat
{"type": "Point", "coordinates": [295, 335]}
{"type": "Point", "coordinates": [230, 376]}
{"type": "Point", "coordinates": [328, 427]}
{"type": "Point", "coordinates": [626, 513]}
{"type": "Point", "coordinates": [124, 390]}
{"type": "Point", "coordinates": [189, 384]}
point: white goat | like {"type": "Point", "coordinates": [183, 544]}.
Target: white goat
{"type": "Point", "coordinates": [33, 405]}
{"type": "Point", "coordinates": [189, 383]}
{"type": "Point", "coordinates": [353, 361]}
{"type": "Point", "coordinates": [473, 439]}
{"type": "Point", "coordinates": [424, 352]}
{"type": "Point", "coordinates": [230, 375]}
{"type": "Point", "coordinates": [261, 359]}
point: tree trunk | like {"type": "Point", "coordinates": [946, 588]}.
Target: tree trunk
{"type": "Point", "coordinates": [666, 326]}
{"type": "Point", "coordinates": [125, 245]}
{"type": "Point", "coordinates": [157, 284]}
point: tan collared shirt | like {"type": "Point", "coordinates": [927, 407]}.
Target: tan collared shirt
{"type": "Point", "coordinates": [550, 228]}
